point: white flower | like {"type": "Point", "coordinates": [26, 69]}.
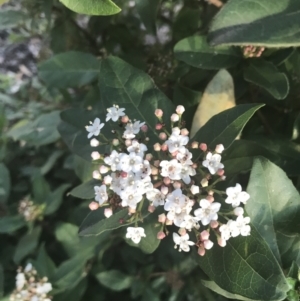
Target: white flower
{"type": "Point", "coordinates": [219, 148]}
{"type": "Point", "coordinates": [114, 113]}
{"type": "Point", "coordinates": [101, 194]}
{"type": "Point", "coordinates": [171, 169]}
{"type": "Point", "coordinates": [20, 281]}
{"type": "Point", "coordinates": [156, 197]}
{"type": "Point", "coordinates": [28, 267]}
{"type": "Point", "coordinates": [188, 222]}
{"type": "Point", "coordinates": [176, 142]}
{"type": "Point", "coordinates": [44, 288]}
{"type": "Point", "coordinates": [131, 162]}
{"type": "Point", "coordinates": [236, 196]}
{"type": "Point", "coordinates": [184, 156]}
{"type": "Point", "coordinates": [226, 230]}
{"type": "Point", "coordinates": [94, 128]}
{"type": "Point", "coordinates": [212, 162]}
{"type": "Point", "coordinates": [130, 197]}
{"type": "Point", "coordinates": [183, 242]}
{"type": "Point", "coordinates": [113, 160]}
{"type": "Point", "coordinates": [132, 129]}
{"type": "Point", "coordinates": [240, 226]}
{"type": "Point", "coordinates": [180, 109]}
{"type": "Point", "coordinates": [195, 189]}
{"type": "Point", "coordinates": [186, 172]}
{"type": "Point", "coordinates": [138, 148]}
{"type": "Point", "coordinates": [207, 212]}
{"type": "Point", "coordinates": [135, 234]}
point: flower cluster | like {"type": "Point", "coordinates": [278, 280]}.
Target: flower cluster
{"type": "Point", "coordinates": [29, 210]}
{"type": "Point", "coordinates": [167, 176]}
{"type": "Point", "coordinates": [29, 287]}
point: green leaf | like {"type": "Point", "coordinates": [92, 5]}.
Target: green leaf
{"type": "Point", "coordinates": [196, 52]}
{"type": "Point", "coordinates": [9, 224]}
{"type": "Point", "coordinates": [134, 90]}
{"type": "Point", "coordinates": [69, 69]}
{"type": "Point", "coordinates": [255, 22]}
{"type": "Point", "coordinates": [147, 10]}
{"type": "Point", "coordinates": [85, 190]}
{"type": "Point", "coordinates": [74, 294]}
{"type": "Point", "coordinates": [39, 132]}
{"type": "Point", "coordinates": [84, 169]}
{"type": "Point", "coordinates": [40, 188]}
{"type": "Point", "coordinates": [1, 281]}
{"type": "Point", "coordinates": [92, 7]}
{"type": "Point", "coordinates": [245, 267]}
{"type": "Point", "coordinates": [274, 205]}
{"type": "Point", "coordinates": [55, 198]}
{"type": "Point", "coordinates": [265, 75]}
{"type": "Point", "coordinates": [115, 280]}
{"type": "Point", "coordinates": [96, 223]}
{"type": "Point", "coordinates": [226, 126]}
{"type": "Point", "coordinates": [10, 18]}
{"type": "Point", "coordinates": [27, 244]}
{"type": "Point", "coordinates": [4, 183]}
{"type": "Point", "coordinates": [44, 264]}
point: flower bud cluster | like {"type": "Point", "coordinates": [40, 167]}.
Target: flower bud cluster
{"type": "Point", "coordinates": [29, 287]}
{"type": "Point", "coordinates": [29, 210]}
{"type": "Point", "coordinates": [168, 177]}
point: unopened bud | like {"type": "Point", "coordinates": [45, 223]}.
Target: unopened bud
{"type": "Point", "coordinates": [164, 147]}
{"type": "Point", "coordinates": [167, 181]}
{"type": "Point", "coordinates": [210, 198]}
{"type": "Point", "coordinates": [161, 235]}
{"type": "Point", "coordinates": [210, 192]}
{"type": "Point", "coordinates": [108, 212]}
{"type": "Point", "coordinates": [164, 190]}
{"type": "Point", "coordinates": [158, 113]}
{"type": "Point", "coordinates": [221, 242]}
{"type": "Point", "coordinates": [180, 109]}
{"type": "Point", "coordinates": [182, 231]}
{"type": "Point", "coordinates": [107, 180]}
{"type": "Point", "coordinates": [174, 117]}
{"type": "Point", "coordinates": [184, 132]}
{"type": "Point", "coordinates": [214, 224]}
{"type": "Point", "coordinates": [93, 206]}
{"type": "Point", "coordinates": [204, 235]}
{"type": "Point", "coordinates": [177, 185]}
{"type": "Point", "coordinates": [125, 119]}
{"type": "Point", "coordinates": [157, 147]}
{"type": "Point", "coordinates": [103, 169]}
{"type": "Point", "coordinates": [169, 222]}
{"type": "Point", "coordinates": [128, 142]}
{"type": "Point", "coordinates": [94, 142]}
{"type": "Point", "coordinates": [162, 218]}
{"type": "Point", "coordinates": [223, 178]}
{"type": "Point", "coordinates": [219, 148]}
{"type": "Point", "coordinates": [238, 211]}
{"type": "Point", "coordinates": [195, 189]}
{"type": "Point", "coordinates": [95, 155]}
{"type": "Point", "coordinates": [204, 182]}
{"type": "Point", "coordinates": [208, 244]}
{"type": "Point", "coordinates": [203, 147]}
{"type": "Point", "coordinates": [220, 172]}
{"type": "Point", "coordinates": [131, 210]}
{"type": "Point", "coordinates": [154, 171]}
{"type": "Point", "coordinates": [96, 175]}
{"type": "Point", "coordinates": [158, 126]}
{"type": "Point", "coordinates": [115, 142]}
{"type": "Point", "coordinates": [124, 174]}
{"type": "Point", "coordinates": [149, 157]}
{"type": "Point", "coordinates": [156, 163]}
{"type": "Point", "coordinates": [144, 128]}
{"type": "Point", "coordinates": [162, 136]}
{"type": "Point", "coordinates": [151, 208]}
{"type": "Point", "coordinates": [195, 144]}
{"type": "Point", "coordinates": [201, 251]}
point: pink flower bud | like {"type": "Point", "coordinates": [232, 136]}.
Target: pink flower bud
{"type": "Point", "coordinates": [124, 174]}
{"type": "Point", "coordinates": [96, 174]}
{"type": "Point", "coordinates": [107, 180]}
{"type": "Point", "coordinates": [184, 132]}
{"type": "Point", "coordinates": [180, 110]}
{"type": "Point", "coordinates": [195, 144]}
{"type": "Point", "coordinates": [203, 147]}
{"type": "Point", "coordinates": [149, 157]}
{"type": "Point", "coordinates": [201, 251]}
{"type": "Point", "coordinates": [176, 130]}
{"type": "Point", "coordinates": [223, 178]}
{"type": "Point", "coordinates": [162, 136]}
{"type": "Point", "coordinates": [221, 242]}
{"type": "Point", "coordinates": [108, 212]}
{"type": "Point", "coordinates": [210, 198]}
{"type": "Point", "coordinates": [115, 142]}
{"type": "Point", "coordinates": [151, 209]}
{"type": "Point", "coordinates": [131, 210]}
{"type": "Point", "coordinates": [182, 231]}
{"type": "Point", "coordinates": [156, 163]}
{"type": "Point", "coordinates": [104, 169]}
{"type": "Point", "coordinates": [128, 142]}
{"type": "Point", "coordinates": [177, 185]}
{"type": "Point", "coordinates": [125, 119]}
{"type": "Point", "coordinates": [158, 113]}
{"type": "Point", "coordinates": [161, 235]}
{"type": "Point", "coordinates": [158, 126]}
{"type": "Point", "coordinates": [208, 244]}
{"type": "Point", "coordinates": [164, 190]}
{"type": "Point", "coordinates": [204, 182]}
{"type": "Point", "coordinates": [94, 142]}
{"type": "Point", "coordinates": [167, 181]}
{"type": "Point", "coordinates": [210, 192]}
{"type": "Point", "coordinates": [162, 218]}
{"type": "Point", "coordinates": [214, 224]}
{"type": "Point", "coordinates": [95, 155]}
{"type": "Point", "coordinates": [154, 171]}
{"type": "Point", "coordinates": [174, 117]}
{"type": "Point", "coordinates": [144, 128]}
{"type": "Point", "coordinates": [204, 235]}
{"type": "Point", "coordinates": [220, 172]}
{"type": "Point", "coordinates": [164, 147]}
{"type": "Point", "coordinates": [219, 148]}
{"type": "Point", "coordinates": [169, 222]}
{"type": "Point", "coordinates": [93, 206]}
{"type": "Point", "coordinates": [157, 147]}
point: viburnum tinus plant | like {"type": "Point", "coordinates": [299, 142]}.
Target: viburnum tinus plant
{"type": "Point", "coordinates": [179, 176]}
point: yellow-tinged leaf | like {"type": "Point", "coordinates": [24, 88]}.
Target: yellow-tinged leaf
{"type": "Point", "coordinates": [217, 97]}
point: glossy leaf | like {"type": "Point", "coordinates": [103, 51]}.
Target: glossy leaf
{"type": "Point", "coordinates": [265, 75]}
{"type": "Point", "coordinates": [92, 7]}
{"type": "Point", "coordinates": [44, 264]}
{"type": "Point", "coordinates": [69, 69]}
{"type": "Point", "coordinates": [252, 22]}
{"type": "Point", "coordinates": [274, 204]}
{"type": "Point", "coordinates": [1, 282]}
{"type": "Point", "coordinates": [196, 52]}
{"type": "Point", "coordinates": [245, 267]}
{"type": "Point", "coordinates": [115, 280]}
{"type": "Point", "coordinates": [85, 190]}
{"type": "Point", "coordinates": [5, 183]}
{"type": "Point", "coordinates": [9, 224]}
{"type": "Point", "coordinates": [226, 126]}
